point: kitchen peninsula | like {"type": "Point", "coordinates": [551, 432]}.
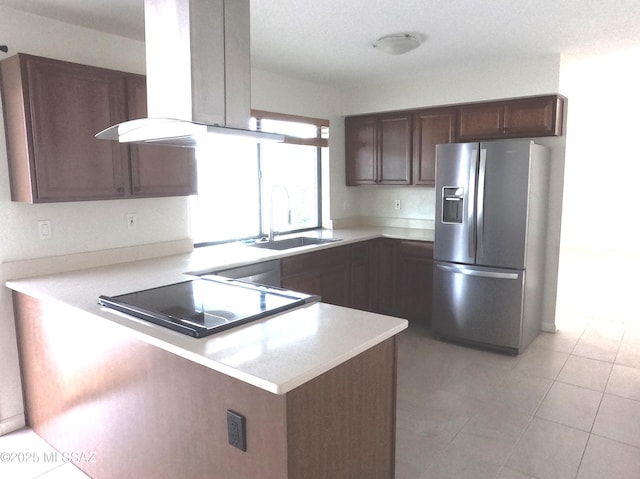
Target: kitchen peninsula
{"type": "Point", "coordinates": [316, 385]}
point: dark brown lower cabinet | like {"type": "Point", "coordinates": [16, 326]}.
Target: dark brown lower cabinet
{"type": "Point", "coordinates": [386, 276]}
{"type": "Point", "coordinates": [360, 281]}
{"type": "Point", "coordinates": [414, 270]}
{"type": "Point", "coordinates": [135, 410]}
{"type": "Point", "coordinates": [325, 272]}
{"type": "Point", "coordinates": [404, 279]}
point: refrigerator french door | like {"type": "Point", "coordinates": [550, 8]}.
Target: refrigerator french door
{"type": "Point", "coordinates": [490, 233]}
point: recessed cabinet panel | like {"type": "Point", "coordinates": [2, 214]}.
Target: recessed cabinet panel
{"type": "Point", "coordinates": [361, 144]}
{"type": "Point", "coordinates": [378, 150]}
{"type": "Point", "coordinates": [325, 273]}
{"type": "Point", "coordinates": [517, 118]}
{"type": "Point", "coordinates": [360, 282]}
{"type": "Point", "coordinates": [415, 280]}
{"type": "Point", "coordinates": [403, 279]}
{"type": "Point", "coordinates": [531, 117]}
{"type": "Point", "coordinates": [481, 121]}
{"type": "Point", "coordinates": [157, 170]}
{"type": "Point", "coordinates": [430, 128]}
{"type": "Point", "coordinates": [394, 161]}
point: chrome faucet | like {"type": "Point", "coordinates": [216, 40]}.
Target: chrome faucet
{"type": "Point", "coordinates": [271, 230]}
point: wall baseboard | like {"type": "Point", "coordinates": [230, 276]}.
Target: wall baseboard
{"type": "Point", "coordinates": [12, 424]}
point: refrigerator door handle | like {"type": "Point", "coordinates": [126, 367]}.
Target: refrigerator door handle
{"type": "Point", "coordinates": [471, 204]}
{"type": "Point", "coordinates": [482, 173]}
{"type": "Point", "coordinates": [475, 272]}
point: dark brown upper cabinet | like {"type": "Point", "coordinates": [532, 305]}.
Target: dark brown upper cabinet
{"type": "Point", "coordinates": [53, 109]}
{"type": "Point", "coordinates": [378, 149]}
{"type": "Point", "coordinates": [157, 170]}
{"type": "Point", "coordinates": [430, 127]}
{"type": "Point", "coordinates": [517, 118]}
{"type": "Point", "coordinates": [399, 148]}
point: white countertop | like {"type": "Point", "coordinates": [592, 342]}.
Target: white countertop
{"type": "Point", "coordinates": [278, 353]}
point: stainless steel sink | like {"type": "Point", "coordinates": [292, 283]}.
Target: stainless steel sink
{"type": "Point", "coordinates": [294, 242]}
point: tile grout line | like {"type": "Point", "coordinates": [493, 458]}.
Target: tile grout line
{"type": "Point", "coordinates": [604, 391]}
{"type": "Point", "coordinates": [533, 415]}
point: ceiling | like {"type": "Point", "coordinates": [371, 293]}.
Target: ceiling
{"type": "Point", "coordinates": [330, 41]}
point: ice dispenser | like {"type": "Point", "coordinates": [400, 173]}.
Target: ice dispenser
{"type": "Point", "coordinates": [452, 204]}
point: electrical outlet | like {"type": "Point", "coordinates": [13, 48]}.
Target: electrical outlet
{"type": "Point", "coordinates": [44, 229]}
{"type": "Point", "coordinates": [237, 430]}
{"type": "Point", "coordinates": [132, 221]}
{"type": "Point", "coordinates": [397, 204]}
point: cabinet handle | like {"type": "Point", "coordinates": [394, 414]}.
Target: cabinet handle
{"type": "Point", "coordinates": [474, 272]}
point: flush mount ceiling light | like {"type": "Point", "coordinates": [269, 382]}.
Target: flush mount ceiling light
{"type": "Point", "coordinates": [397, 44]}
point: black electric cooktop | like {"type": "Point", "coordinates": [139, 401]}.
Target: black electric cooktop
{"type": "Point", "coordinates": [207, 305]}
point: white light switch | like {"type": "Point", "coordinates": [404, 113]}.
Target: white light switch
{"type": "Point", "coordinates": [44, 229]}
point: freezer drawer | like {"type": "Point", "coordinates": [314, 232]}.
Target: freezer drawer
{"type": "Point", "coordinates": [478, 305]}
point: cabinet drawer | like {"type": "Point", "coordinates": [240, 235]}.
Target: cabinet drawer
{"type": "Point", "coordinates": [420, 249]}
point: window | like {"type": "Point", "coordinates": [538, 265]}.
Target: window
{"type": "Point", "coordinates": [243, 186]}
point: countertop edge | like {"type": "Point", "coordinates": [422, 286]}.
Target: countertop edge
{"type": "Point", "coordinates": [68, 289]}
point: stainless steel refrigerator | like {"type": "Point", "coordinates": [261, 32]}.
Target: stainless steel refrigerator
{"type": "Point", "coordinates": [490, 236]}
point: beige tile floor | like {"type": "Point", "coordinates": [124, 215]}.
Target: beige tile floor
{"type": "Point", "coordinates": [568, 408]}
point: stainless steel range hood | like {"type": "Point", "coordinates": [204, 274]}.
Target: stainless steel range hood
{"type": "Point", "coordinates": [198, 65]}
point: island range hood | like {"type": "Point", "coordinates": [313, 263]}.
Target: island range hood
{"type": "Point", "coordinates": [198, 66]}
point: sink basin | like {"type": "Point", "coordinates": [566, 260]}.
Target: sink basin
{"type": "Point", "coordinates": [295, 242]}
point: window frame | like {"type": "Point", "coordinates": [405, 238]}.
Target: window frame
{"type": "Point", "coordinates": [320, 141]}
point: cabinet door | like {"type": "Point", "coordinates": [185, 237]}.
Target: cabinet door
{"type": "Point", "coordinates": [394, 150]}
{"type": "Point", "coordinates": [334, 284]}
{"type": "Point", "coordinates": [308, 283]}
{"type": "Point", "coordinates": [361, 151]}
{"type": "Point", "coordinates": [324, 272]}
{"type": "Point", "coordinates": [480, 121]}
{"type": "Point", "coordinates": [360, 282]}
{"type": "Point", "coordinates": [68, 105]}
{"type": "Point", "coordinates": [157, 170]}
{"type": "Point", "coordinates": [415, 280]}
{"type": "Point", "coordinates": [532, 117]}
{"type": "Point", "coordinates": [517, 118]}
{"type": "Point", "coordinates": [384, 273]}
{"type": "Point", "coordinates": [430, 128]}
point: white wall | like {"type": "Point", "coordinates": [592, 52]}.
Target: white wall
{"type": "Point", "coordinates": [603, 159]}
{"type": "Point", "coordinates": [600, 234]}
{"type": "Point", "coordinates": [473, 82]}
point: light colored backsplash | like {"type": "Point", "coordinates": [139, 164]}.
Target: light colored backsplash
{"type": "Point", "coordinates": [92, 259]}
